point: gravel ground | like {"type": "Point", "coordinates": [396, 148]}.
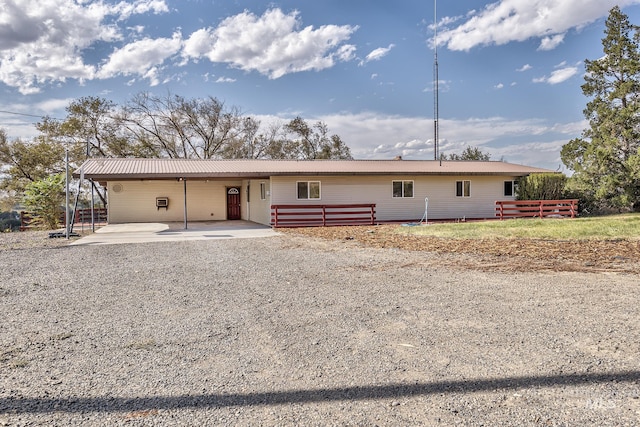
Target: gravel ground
{"type": "Point", "coordinates": [292, 330]}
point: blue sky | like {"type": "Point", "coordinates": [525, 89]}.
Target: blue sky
{"type": "Point", "coordinates": [510, 70]}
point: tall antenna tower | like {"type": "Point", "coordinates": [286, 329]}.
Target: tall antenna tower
{"type": "Point", "coordinates": [436, 113]}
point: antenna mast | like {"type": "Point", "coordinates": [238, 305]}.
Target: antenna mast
{"type": "Point", "coordinates": [435, 83]}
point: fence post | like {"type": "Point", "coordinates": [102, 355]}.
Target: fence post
{"type": "Point", "coordinates": [541, 209]}
{"type": "Point", "coordinates": [324, 215]}
{"type": "Point", "coordinates": [275, 216]}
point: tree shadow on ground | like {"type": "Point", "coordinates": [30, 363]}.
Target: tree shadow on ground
{"type": "Point", "coordinates": [372, 392]}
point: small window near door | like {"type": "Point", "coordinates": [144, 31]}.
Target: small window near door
{"type": "Point", "coordinates": [308, 190]}
{"type": "Point", "coordinates": [263, 191]}
{"type": "Point", "coordinates": [509, 188]}
{"type": "Point", "coordinates": [463, 188]}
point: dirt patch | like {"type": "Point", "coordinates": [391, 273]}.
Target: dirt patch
{"type": "Point", "coordinates": [494, 254]}
{"type": "Point", "coordinates": [32, 239]}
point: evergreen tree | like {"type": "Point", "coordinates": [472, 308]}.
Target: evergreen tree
{"type": "Point", "coordinates": [605, 160]}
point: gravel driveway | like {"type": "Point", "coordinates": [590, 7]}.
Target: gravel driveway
{"type": "Point", "coordinates": [290, 330]}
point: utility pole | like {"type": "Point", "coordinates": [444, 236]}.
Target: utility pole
{"type": "Point", "coordinates": [435, 83]}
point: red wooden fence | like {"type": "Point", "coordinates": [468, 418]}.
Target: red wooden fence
{"type": "Point", "coordinates": [536, 208]}
{"type": "Point", "coordinates": [322, 215]}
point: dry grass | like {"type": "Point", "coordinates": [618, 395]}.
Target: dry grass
{"type": "Point", "coordinates": [549, 250]}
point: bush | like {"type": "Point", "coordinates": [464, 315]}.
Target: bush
{"type": "Point", "coordinates": [542, 186]}
{"type": "Point", "coordinates": [9, 221]}
{"type": "Point", "coordinates": [44, 199]}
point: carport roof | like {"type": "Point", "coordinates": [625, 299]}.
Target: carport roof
{"type": "Point", "coordinates": [110, 169]}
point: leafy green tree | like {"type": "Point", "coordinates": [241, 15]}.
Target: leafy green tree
{"type": "Point", "coordinates": [470, 153]}
{"type": "Point", "coordinates": [310, 142]}
{"type": "Point", "coordinates": [44, 200]}
{"type": "Point", "coordinates": [606, 159]}
{"type": "Point", "coordinates": [91, 128]}
{"type": "Point", "coordinates": [22, 162]}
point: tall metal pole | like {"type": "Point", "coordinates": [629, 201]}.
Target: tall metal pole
{"type": "Point", "coordinates": [66, 192]}
{"type": "Point", "coordinates": [435, 84]}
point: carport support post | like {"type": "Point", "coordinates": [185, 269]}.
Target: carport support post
{"type": "Point", "coordinates": [184, 184]}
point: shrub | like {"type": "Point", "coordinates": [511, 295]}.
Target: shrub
{"type": "Point", "coordinates": [542, 186]}
{"type": "Point", "coordinates": [43, 199]}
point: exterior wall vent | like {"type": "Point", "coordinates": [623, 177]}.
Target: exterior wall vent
{"type": "Point", "coordinates": [162, 202]}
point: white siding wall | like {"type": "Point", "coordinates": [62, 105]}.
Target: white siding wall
{"type": "Point", "coordinates": [441, 191]}
{"type": "Point", "coordinates": [137, 201]}
{"type": "Point", "coordinates": [259, 210]}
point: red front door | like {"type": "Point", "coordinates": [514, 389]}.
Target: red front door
{"type": "Point", "coordinates": [233, 203]}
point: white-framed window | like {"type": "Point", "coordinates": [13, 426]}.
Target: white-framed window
{"type": "Point", "coordinates": [463, 188]}
{"type": "Point", "coordinates": [509, 188]}
{"type": "Point", "coordinates": [308, 190]}
{"type": "Point", "coordinates": [263, 191]}
{"type": "Point", "coordinates": [402, 188]}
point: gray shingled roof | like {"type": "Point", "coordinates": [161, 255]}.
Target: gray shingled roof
{"type": "Point", "coordinates": [110, 169]}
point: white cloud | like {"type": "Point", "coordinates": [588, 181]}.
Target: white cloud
{"type": "Point", "coordinates": [499, 86]}
{"type": "Point", "coordinates": [525, 67]}
{"type": "Point", "coordinates": [42, 41]}
{"type": "Point", "coordinates": [377, 54]}
{"type": "Point", "coordinates": [551, 42]}
{"type": "Point", "coordinates": [558, 76]}
{"type": "Point", "coordinates": [141, 57]}
{"type": "Point", "coordinates": [225, 80]}
{"type": "Point", "coordinates": [273, 44]}
{"type": "Point", "coordinates": [54, 104]}
{"type": "Point", "coordinates": [377, 136]}
{"type": "Point", "coordinates": [515, 20]}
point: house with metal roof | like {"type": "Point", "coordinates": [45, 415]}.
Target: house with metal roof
{"type": "Point", "coordinates": [162, 190]}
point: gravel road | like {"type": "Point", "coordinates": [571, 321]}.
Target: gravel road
{"type": "Point", "coordinates": [291, 330]}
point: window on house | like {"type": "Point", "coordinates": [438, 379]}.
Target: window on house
{"type": "Point", "coordinates": [402, 188]}
{"type": "Point", "coordinates": [308, 190]}
{"type": "Point", "coordinates": [463, 188]}
{"type": "Point", "coordinates": [509, 188]}
{"type": "Point", "coordinates": [263, 191]}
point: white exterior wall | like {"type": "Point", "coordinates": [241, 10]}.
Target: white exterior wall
{"type": "Point", "coordinates": [257, 209]}
{"type": "Point", "coordinates": [136, 202]}
{"type": "Point", "coordinates": [441, 191]}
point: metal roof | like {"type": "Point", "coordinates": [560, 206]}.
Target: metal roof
{"type": "Point", "coordinates": [110, 169]}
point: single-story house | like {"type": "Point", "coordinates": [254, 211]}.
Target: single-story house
{"type": "Point", "coordinates": [159, 190]}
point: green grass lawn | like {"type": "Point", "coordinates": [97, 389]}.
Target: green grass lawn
{"type": "Point", "coordinates": [597, 228]}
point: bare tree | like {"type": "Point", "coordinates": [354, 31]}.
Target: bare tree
{"type": "Point", "coordinates": [172, 126]}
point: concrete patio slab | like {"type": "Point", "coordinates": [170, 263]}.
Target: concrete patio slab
{"type": "Point", "coordinates": [173, 232]}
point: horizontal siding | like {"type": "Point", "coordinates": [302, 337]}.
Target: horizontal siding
{"type": "Point", "coordinates": [136, 202]}
{"type": "Point", "coordinates": [259, 211]}
{"type": "Point", "coordinates": [441, 191]}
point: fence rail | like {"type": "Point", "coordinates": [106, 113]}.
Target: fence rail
{"type": "Point", "coordinates": [322, 215]}
{"type": "Point", "coordinates": [82, 216]}
{"type": "Point", "coordinates": [536, 208]}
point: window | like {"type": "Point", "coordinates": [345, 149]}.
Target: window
{"type": "Point", "coordinates": [463, 188]}
{"type": "Point", "coordinates": [263, 191]}
{"type": "Point", "coordinates": [402, 188]}
{"type": "Point", "coordinates": [308, 190]}
{"type": "Point", "coordinates": [509, 188]}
